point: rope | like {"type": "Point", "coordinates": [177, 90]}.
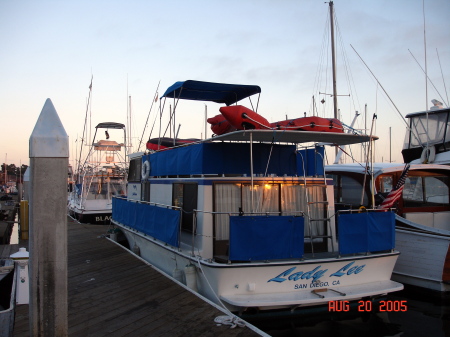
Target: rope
{"type": "Point", "coordinates": [228, 320]}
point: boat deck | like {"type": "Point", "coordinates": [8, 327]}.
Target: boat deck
{"type": "Point", "coordinates": [111, 292]}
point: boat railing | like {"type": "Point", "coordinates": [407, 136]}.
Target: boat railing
{"type": "Point", "coordinates": [156, 232]}
{"type": "Point", "coordinates": [362, 210]}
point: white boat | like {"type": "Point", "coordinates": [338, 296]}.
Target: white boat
{"type": "Point", "coordinates": [100, 176]}
{"type": "Point", "coordinates": [428, 137]}
{"type": "Point", "coordinates": [422, 219]}
{"type": "Point", "coordinates": [6, 266]}
{"type": "Point", "coordinates": [248, 220]}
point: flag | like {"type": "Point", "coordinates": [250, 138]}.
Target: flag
{"type": "Point", "coordinates": [397, 191]}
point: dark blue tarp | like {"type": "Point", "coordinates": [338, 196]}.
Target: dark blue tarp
{"type": "Point", "coordinates": [158, 222]}
{"type": "Point", "coordinates": [310, 162]}
{"type": "Point", "coordinates": [211, 92]}
{"type": "Point", "coordinates": [366, 232]}
{"type": "Point", "coordinates": [223, 158]}
{"type": "Point", "coordinates": [266, 237]}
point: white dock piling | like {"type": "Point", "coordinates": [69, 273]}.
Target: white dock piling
{"type": "Point", "coordinates": [49, 153]}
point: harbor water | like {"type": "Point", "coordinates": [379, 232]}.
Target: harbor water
{"type": "Point", "coordinates": [410, 312]}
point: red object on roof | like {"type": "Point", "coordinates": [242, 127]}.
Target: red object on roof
{"type": "Point", "coordinates": [243, 118]}
{"type": "Point", "coordinates": [312, 123]}
{"type": "Point", "coordinates": [219, 125]}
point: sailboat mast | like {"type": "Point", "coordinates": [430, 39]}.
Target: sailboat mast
{"type": "Point", "coordinates": [333, 59]}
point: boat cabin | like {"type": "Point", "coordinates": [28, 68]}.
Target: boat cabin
{"type": "Point", "coordinates": [212, 181]}
{"type": "Point", "coordinates": [425, 194]}
{"type": "Point", "coordinates": [430, 128]}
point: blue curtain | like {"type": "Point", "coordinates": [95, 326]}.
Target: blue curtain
{"type": "Point", "coordinates": [366, 232]}
{"type": "Point", "coordinates": [266, 237]}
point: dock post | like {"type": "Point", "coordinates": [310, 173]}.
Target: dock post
{"type": "Point", "coordinates": [49, 161]}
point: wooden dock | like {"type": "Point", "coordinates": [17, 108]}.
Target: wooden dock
{"type": "Point", "coordinates": [113, 293]}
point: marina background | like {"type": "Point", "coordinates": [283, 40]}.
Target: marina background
{"type": "Point", "coordinates": [52, 49]}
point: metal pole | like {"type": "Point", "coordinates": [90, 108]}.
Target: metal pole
{"type": "Point", "coordinates": [333, 59]}
{"type": "Point", "coordinates": [251, 169]}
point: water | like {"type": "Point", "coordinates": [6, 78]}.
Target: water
{"type": "Point", "coordinates": [15, 232]}
{"type": "Point", "coordinates": [426, 314]}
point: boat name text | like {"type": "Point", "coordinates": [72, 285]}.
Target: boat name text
{"type": "Point", "coordinates": [316, 273]}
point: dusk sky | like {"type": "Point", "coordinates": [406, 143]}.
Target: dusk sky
{"type": "Point", "coordinates": [51, 49]}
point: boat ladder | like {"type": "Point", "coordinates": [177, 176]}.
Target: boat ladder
{"type": "Point", "coordinates": [313, 220]}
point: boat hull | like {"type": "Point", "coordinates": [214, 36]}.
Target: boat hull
{"type": "Point", "coordinates": [274, 285]}
{"type": "Point", "coordinates": [423, 260]}
{"type": "Point", "coordinates": [94, 218]}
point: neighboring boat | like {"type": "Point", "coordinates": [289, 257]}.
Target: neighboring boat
{"type": "Point", "coordinates": [422, 220]}
{"type": "Point", "coordinates": [162, 143]}
{"type": "Point", "coordinates": [101, 176]}
{"type": "Point", "coordinates": [428, 141]}
{"type": "Point", "coordinates": [248, 221]}
{"type": "Point", "coordinates": [7, 296]}
{"type": "Point", "coordinates": [6, 266]}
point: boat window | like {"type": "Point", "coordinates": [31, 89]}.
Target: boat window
{"type": "Point", "coordinates": [426, 191]}
{"type": "Point", "coordinates": [97, 191]}
{"type": "Point", "coordinates": [185, 196]}
{"type": "Point", "coordinates": [347, 192]}
{"type": "Point", "coordinates": [134, 173]}
{"type": "Point", "coordinates": [310, 200]}
{"type": "Point", "coordinates": [284, 199]}
{"type": "Point", "coordinates": [385, 184]}
{"type": "Point", "coordinates": [117, 188]}
{"type": "Point", "coordinates": [265, 198]}
{"type": "Point", "coordinates": [436, 126]}
{"type": "Point", "coordinates": [227, 199]}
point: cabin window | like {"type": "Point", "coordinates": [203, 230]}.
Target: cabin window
{"type": "Point", "coordinates": [310, 200]}
{"type": "Point", "coordinates": [227, 200]}
{"type": "Point", "coordinates": [431, 130]}
{"type": "Point", "coordinates": [347, 192]}
{"type": "Point", "coordinates": [97, 190]}
{"type": "Point", "coordinates": [134, 173]}
{"type": "Point", "coordinates": [266, 198]}
{"type": "Point", "coordinates": [426, 191]}
{"type": "Point", "coordinates": [278, 199]}
{"type": "Point", "coordinates": [185, 196]}
{"type": "Point", "coordinates": [117, 188]}
{"type": "Point", "coordinates": [386, 184]}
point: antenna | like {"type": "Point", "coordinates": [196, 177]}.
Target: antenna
{"type": "Point", "coordinates": [445, 87]}
{"type": "Point", "coordinates": [429, 79]}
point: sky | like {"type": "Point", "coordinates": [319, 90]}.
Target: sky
{"type": "Point", "coordinates": [52, 49]}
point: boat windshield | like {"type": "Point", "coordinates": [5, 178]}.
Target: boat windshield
{"type": "Point", "coordinates": [105, 190]}
{"type": "Point", "coordinates": [437, 125]}
{"type": "Point", "coordinates": [424, 191]}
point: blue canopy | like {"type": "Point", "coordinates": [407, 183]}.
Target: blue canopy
{"type": "Point", "coordinates": [213, 92]}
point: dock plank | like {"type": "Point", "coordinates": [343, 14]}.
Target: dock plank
{"type": "Point", "coordinates": [113, 293]}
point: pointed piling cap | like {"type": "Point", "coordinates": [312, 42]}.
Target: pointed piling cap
{"type": "Point", "coordinates": [26, 175]}
{"type": "Point", "coordinates": [49, 139]}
